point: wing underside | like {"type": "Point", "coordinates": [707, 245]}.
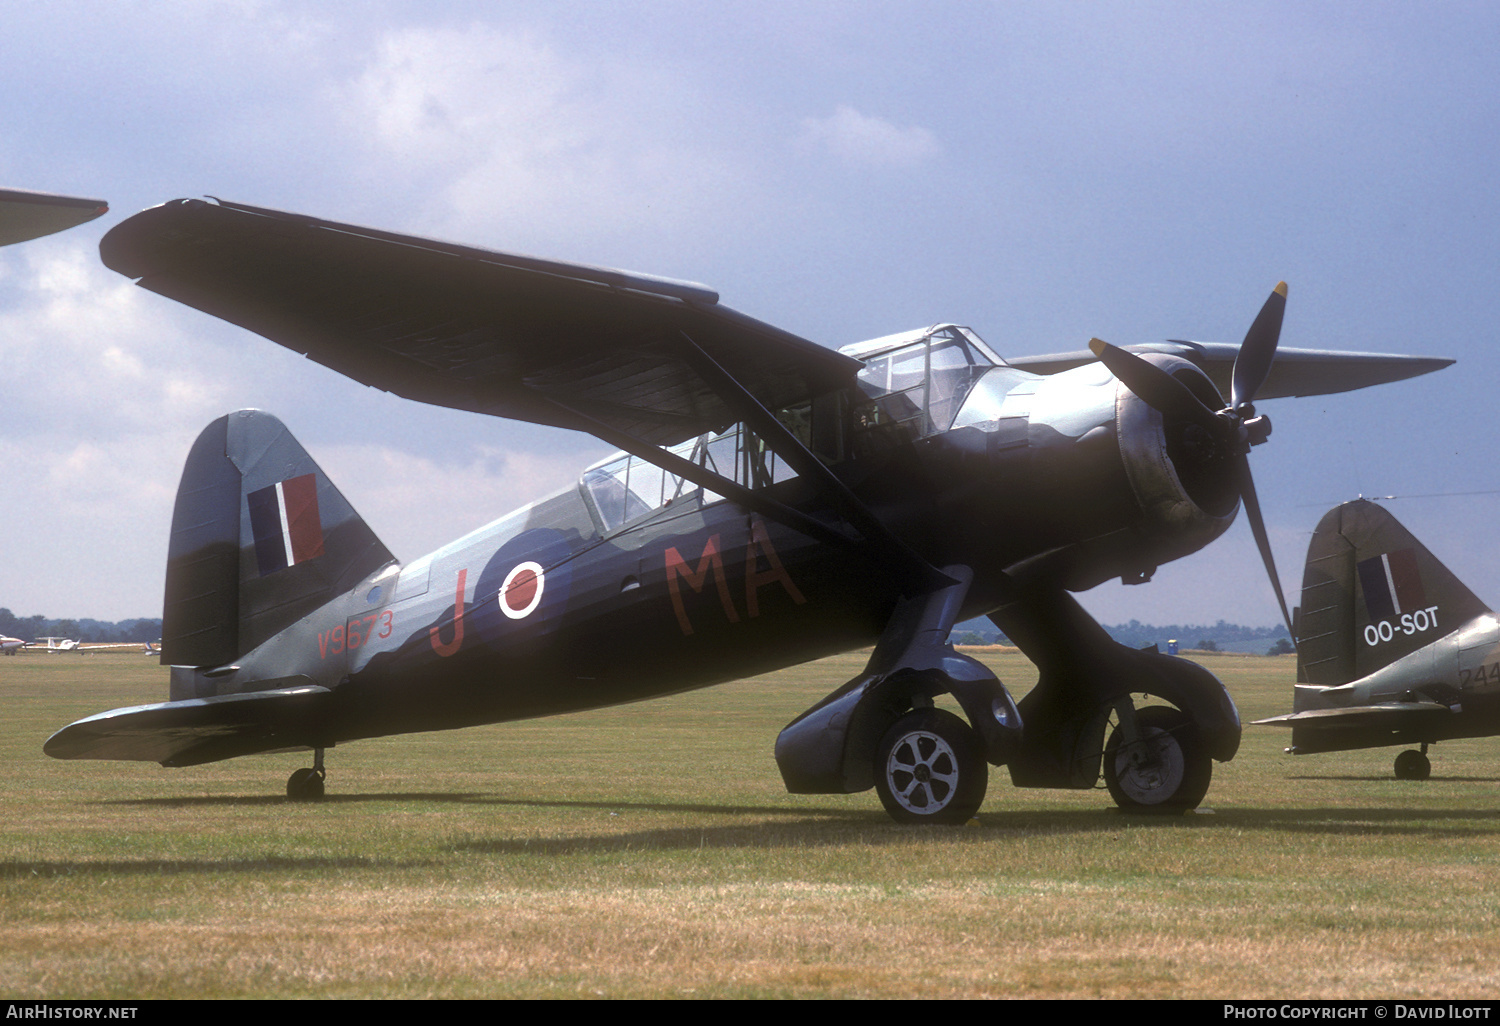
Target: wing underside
{"type": "Point", "coordinates": [30, 215]}
{"type": "Point", "coordinates": [467, 328]}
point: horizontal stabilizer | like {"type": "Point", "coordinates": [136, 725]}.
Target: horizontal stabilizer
{"type": "Point", "coordinates": [1389, 715]}
{"type": "Point", "coordinates": [199, 730]}
{"type": "Point", "coordinates": [1296, 372]}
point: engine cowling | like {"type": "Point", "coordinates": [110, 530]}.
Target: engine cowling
{"type": "Point", "coordinates": [1089, 483]}
{"type": "Point", "coordinates": [1182, 479]}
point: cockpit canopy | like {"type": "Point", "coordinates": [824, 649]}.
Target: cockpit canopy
{"type": "Point", "coordinates": [912, 385]}
{"type": "Point", "coordinates": [920, 378]}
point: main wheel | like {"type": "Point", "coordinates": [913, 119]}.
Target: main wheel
{"type": "Point", "coordinates": [1166, 769]}
{"type": "Point", "coordinates": [305, 785]}
{"type": "Point", "coordinates": [930, 768]}
{"type": "Point", "coordinates": [1412, 765]}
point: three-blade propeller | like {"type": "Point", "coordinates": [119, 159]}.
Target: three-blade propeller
{"type": "Point", "coordinates": [1235, 427]}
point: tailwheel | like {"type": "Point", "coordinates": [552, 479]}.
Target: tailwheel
{"type": "Point", "coordinates": [1166, 769]}
{"type": "Point", "coordinates": [930, 768]}
{"type": "Point", "coordinates": [1412, 765]}
{"type": "Point", "coordinates": [306, 784]}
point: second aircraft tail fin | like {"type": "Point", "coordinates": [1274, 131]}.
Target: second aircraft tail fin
{"type": "Point", "coordinates": [1371, 593]}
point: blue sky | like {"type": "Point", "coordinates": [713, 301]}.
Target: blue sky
{"type": "Point", "coordinates": [1041, 172]}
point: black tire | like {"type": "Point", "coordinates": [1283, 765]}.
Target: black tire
{"type": "Point", "coordinates": [1166, 770]}
{"type": "Point", "coordinates": [930, 768]}
{"type": "Point", "coordinates": [1412, 765]}
{"type": "Point", "coordinates": [305, 785]}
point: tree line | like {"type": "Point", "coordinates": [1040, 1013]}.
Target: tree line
{"type": "Point", "coordinates": [28, 628]}
{"type": "Point", "coordinates": [1142, 635]}
{"type": "Point", "coordinates": [971, 632]}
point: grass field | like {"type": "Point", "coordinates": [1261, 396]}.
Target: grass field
{"type": "Point", "coordinates": [650, 851]}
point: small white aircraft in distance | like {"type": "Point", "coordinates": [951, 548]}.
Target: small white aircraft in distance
{"type": "Point", "coordinates": [58, 644]}
{"type": "Point", "coordinates": [74, 645]}
{"type": "Point", "coordinates": [10, 646]}
{"type": "Point", "coordinates": [30, 215]}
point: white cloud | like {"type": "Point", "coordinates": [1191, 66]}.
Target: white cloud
{"type": "Point", "coordinates": [416, 504]}
{"type": "Point", "coordinates": [104, 387]}
{"type": "Point", "coordinates": [85, 525]}
{"type": "Point", "coordinates": [79, 338]}
{"type": "Point", "coordinates": [501, 135]}
{"type": "Point", "coordinates": [864, 139]}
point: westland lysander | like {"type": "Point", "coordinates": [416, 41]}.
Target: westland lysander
{"type": "Point", "coordinates": [774, 501]}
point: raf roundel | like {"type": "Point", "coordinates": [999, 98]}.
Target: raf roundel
{"type": "Point", "coordinates": [521, 591]}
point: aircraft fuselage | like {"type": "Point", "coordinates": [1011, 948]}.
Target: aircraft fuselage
{"type": "Point", "coordinates": [1060, 480]}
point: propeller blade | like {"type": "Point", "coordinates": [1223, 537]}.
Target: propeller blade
{"type": "Point", "coordinates": [1258, 350]}
{"type": "Point", "coordinates": [1262, 541]}
{"type": "Point", "coordinates": [1155, 387]}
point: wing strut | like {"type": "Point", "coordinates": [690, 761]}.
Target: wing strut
{"type": "Point", "coordinates": [876, 540]}
{"type": "Point", "coordinates": [756, 502]}
{"type": "Point", "coordinates": [915, 573]}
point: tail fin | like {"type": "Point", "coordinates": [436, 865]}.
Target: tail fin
{"type": "Point", "coordinates": [1372, 593]}
{"type": "Point", "coordinates": [260, 538]}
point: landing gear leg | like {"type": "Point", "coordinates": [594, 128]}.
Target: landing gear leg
{"type": "Point", "coordinates": [881, 730]}
{"type": "Point", "coordinates": [1413, 765]}
{"type": "Point", "coordinates": [1159, 759]}
{"type": "Point", "coordinates": [306, 785]}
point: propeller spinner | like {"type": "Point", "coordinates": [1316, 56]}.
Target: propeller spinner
{"type": "Point", "coordinates": [1232, 429]}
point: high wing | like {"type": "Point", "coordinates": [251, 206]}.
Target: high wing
{"type": "Point", "coordinates": [30, 215]}
{"type": "Point", "coordinates": [471, 329]}
{"type": "Point", "coordinates": [1296, 372]}
{"type": "Point", "coordinates": [199, 730]}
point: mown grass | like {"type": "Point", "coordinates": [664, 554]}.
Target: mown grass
{"type": "Point", "coordinates": [650, 851]}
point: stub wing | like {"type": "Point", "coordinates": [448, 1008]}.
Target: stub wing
{"type": "Point", "coordinates": [198, 730]}
{"type": "Point", "coordinates": [1296, 372]}
{"type": "Point", "coordinates": [30, 215]}
{"type": "Point", "coordinates": [468, 328]}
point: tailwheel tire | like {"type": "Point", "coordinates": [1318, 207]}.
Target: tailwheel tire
{"type": "Point", "coordinates": [930, 768]}
{"type": "Point", "coordinates": [1167, 768]}
{"type": "Point", "coordinates": [1412, 765]}
{"type": "Point", "coordinates": [305, 785]}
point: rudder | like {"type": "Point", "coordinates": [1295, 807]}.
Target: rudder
{"type": "Point", "coordinates": [260, 538]}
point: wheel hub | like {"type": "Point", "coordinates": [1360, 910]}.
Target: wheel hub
{"type": "Point", "coordinates": [923, 772]}
{"type": "Point", "coordinates": [1149, 765]}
